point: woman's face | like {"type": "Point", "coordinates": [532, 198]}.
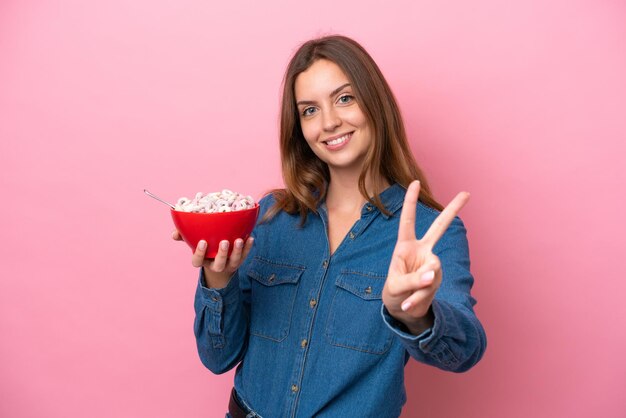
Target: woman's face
{"type": "Point", "coordinates": [332, 122]}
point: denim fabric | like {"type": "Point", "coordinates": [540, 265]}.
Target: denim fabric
{"type": "Point", "coordinates": [308, 331]}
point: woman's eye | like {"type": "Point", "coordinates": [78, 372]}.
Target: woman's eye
{"type": "Point", "coordinates": [308, 111]}
{"type": "Point", "coordinates": [346, 98]}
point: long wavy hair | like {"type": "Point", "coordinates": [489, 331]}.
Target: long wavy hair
{"type": "Point", "coordinates": [307, 177]}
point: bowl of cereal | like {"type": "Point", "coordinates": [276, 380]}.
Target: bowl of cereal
{"type": "Point", "coordinates": [215, 217]}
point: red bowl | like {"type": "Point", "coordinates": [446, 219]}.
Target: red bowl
{"type": "Point", "coordinates": [215, 227]}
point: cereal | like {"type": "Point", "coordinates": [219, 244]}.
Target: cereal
{"type": "Point", "coordinates": [224, 201]}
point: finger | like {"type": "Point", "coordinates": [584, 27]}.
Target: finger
{"type": "Point", "coordinates": [430, 281]}
{"type": "Point", "coordinates": [235, 256]}
{"type": "Point", "coordinates": [247, 248]}
{"type": "Point", "coordinates": [409, 283]}
{"type": "Point", "coordinates": [176, 236]}
{"type": "Point", "coordinates": [406, 229]}
{"type": "Point", "coordinates": [221, 257]}
{"type": "Point", "coordinates": [417, 299]}
{"type": "Point", "coordinates": [445, 218]}
{"type": "Point", "coordinates": [198, 256]}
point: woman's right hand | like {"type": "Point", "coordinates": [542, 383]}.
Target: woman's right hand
{"type": "Point", "coordinates": [218, 270]}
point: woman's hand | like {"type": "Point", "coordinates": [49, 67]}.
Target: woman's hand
{"type": "Point", "coordinates": [415, 272]}
{"type": "Point", "coordinates": [218, 270]}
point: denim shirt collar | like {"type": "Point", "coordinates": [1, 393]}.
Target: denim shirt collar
{"type": "Point", "coordinates": [392, 198]}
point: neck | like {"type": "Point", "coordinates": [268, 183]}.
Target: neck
{"type": "Point", "coordinates": [343, 191]}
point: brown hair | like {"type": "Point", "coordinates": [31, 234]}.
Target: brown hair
{"type": "Point", "coordinates": [306, 177]}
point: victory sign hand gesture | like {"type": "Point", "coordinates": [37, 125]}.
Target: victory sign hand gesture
{"type": "Point", "coordinates": [415, 272]}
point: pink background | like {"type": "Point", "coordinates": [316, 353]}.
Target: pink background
{"type": "Point", "coordinates": [522, 103]}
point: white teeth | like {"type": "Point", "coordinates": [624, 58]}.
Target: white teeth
{"type": "Point", "coordinates": [339, 140]}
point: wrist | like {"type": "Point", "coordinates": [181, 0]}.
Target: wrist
{"type": "Point", "coordinates": [214, 280]}
{"type": "Point", "coordinates": [417, 326]}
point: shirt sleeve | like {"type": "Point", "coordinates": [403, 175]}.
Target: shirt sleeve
{"type": "Point", "coordinates": [457, 340]}
{"type": "Point", "coordinates": [221, 325]}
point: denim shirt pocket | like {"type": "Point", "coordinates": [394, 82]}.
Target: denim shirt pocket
{"type": "Point", "coordinates": [354, 320]}
{"type": "Point", "coordinates": [273, 292]}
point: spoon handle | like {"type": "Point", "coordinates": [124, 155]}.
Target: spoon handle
{"type": "Point", "coordinates": [159, 199]}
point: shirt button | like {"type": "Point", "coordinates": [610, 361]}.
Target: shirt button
{"type": "Point", "coordinates": [325, 264]}
{"type": "Point", "coordinates": [294, 388]}
{"type": "Point", "coordinates": [352, 235]}
{"type": "Point", "coordinates": [272, 278]}
{"type": "Point", "coordinates": [214, 298]}
{"type": "Point", "coordinates": [303, 343]}
{"type": "Point", "coordinates": [368, 289]}
{"type": "Point", "coordinates": [369, 208]}
{"type": "Point", "coordinates": [312, 303]}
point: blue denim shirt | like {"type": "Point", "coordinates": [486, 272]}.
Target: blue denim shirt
{"type": "Point", "coordinates": [308, 330]}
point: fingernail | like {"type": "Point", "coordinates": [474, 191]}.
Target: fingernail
{"type": "Point", "coordinates": [224, 245]}
{"type": "Point", "coordinates": [202, 244]}
{"type": "Point", "coordinates": [406, 306]}
{"type": "Point", "coordinates": [239, 243]}
{"type": "Point", "coordinates": [428, 276]}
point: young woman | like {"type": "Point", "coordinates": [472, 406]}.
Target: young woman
{"type": "Point", "coordinates": [352, 268]}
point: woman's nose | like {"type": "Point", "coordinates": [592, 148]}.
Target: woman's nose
{"type": "Point", "coordinates": [331, 119]}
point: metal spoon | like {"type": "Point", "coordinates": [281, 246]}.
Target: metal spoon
{"type": "Point", "coordinates": [159, 199]}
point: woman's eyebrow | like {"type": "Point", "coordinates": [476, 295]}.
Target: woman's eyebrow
{"type": "Point", "coordinates": [332, 93]}
{"type": "Point", "coordinates": [338, 89]}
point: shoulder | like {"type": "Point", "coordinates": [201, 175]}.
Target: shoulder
{"type": "Point", "coordinates": [429, 214]}
{"type": "Point", "coordinates": [267, 204]}
{"type": "Point", "coordinates": [424, 218]}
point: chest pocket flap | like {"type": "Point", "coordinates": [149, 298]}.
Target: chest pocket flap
{"type": "Point", "coordinates": [270, 273]}
{"type": "Point", "coordinates": [364, 286]}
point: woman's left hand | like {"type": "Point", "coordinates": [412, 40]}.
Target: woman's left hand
{"type": "Point", "coordinates": [415, 272]}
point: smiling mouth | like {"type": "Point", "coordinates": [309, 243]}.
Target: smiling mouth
{"type": "Point", "coordinates": [338, 141]}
